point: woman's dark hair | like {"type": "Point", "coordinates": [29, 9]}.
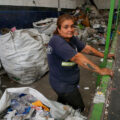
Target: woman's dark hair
{"type": "Point", "coordinates": [61, 19]}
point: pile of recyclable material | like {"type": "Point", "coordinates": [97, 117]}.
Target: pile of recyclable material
{"type": "Point", "coordinates": [26, 103]}
{"type": "Point", "coordinates": [25, 106]}
{"type": "Point", "coordinates": [91, 24]}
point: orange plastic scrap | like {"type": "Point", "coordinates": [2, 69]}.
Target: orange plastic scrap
{"type": "Point", "coordinates": [82, 15]}
{"type": "Point", "coordinates": [86, 21]}
{"type": "Point", "coordinates": [118, 32]}
{"type": "Point", "coordinates": [38, 103]}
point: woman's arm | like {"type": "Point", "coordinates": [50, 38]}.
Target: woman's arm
{"type": "Point", "coordinates": [81, 60]}
{"type": "Point", "coordinates": [92, 51]}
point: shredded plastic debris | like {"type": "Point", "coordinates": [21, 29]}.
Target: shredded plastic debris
{"type": "Point", "coordinates": [99, 97]}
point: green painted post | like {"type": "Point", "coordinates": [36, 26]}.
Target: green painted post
{"type": "Point", "coordinates": [107, 39]}
{"type": "Point", "coordinates": [96, 113]}
{"type": "Point", "coordinates": [108, 32]}
{"type": "Point", "coordinates": [117, 19]}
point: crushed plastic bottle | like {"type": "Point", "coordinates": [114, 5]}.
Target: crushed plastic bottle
{"type": "Point", "coordinates": [20, 108]}
{"type": "Point", "coordinates": [26, 99]}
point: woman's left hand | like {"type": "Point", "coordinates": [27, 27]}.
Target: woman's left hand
{"type": "Point", "coordinates": [111, 56]}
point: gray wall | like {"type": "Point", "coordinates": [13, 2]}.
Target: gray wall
{"type": "Point", "coordinates": [40, 3]}
{"type": "Point", "coordinates": [101, 4]}
{"type": "Point", "coordinates": [104, 4]}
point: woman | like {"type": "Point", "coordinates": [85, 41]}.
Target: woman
{"type": "Point", "coordinates": [64, 56]}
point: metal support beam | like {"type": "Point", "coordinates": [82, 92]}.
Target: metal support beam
{"type": "Point", "coordinates": [112, 5]}
{"type": "Point", "coordinates": [102, 65]}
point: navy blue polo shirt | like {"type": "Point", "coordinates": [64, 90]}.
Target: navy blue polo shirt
{"type": "Point", "coordinates": [64, 75]}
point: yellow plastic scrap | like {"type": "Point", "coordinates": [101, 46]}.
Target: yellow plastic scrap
{"type": "Point", "coordinates": [38, 103]}
{"type": "Point", "coordinates": [99, 93]}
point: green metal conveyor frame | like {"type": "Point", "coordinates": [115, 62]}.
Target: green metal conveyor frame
{"type": "Point", "coordinates": [103, 81]}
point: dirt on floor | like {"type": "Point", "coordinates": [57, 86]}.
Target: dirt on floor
{"type": "Point", "coordinates": [87, 84]}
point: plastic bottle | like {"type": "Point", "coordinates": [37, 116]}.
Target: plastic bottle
{"type": "Point", "coordinates": [15, 105]}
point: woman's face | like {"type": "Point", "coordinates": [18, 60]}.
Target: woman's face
{"type": "Point", "coordinates": [67, 29]}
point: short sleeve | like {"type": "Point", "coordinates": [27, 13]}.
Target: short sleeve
{"type": "Point", "coordinates": [80, 45]}
{"type": "Point", "coordinates": [63, 49]}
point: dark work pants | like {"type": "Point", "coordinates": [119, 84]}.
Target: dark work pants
{"type": "Point", "coordinates": [73, 99]}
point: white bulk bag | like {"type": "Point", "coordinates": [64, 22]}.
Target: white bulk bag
{"type": "Point", "coordinates": [58, 111]}
{"type": "Point", "coordinates": [23, 55]}
{"type": "Point", "coordinates": [46, 26]}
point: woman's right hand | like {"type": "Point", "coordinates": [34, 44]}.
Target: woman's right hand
{"type": "Point", "coordinates": [106, 71]}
